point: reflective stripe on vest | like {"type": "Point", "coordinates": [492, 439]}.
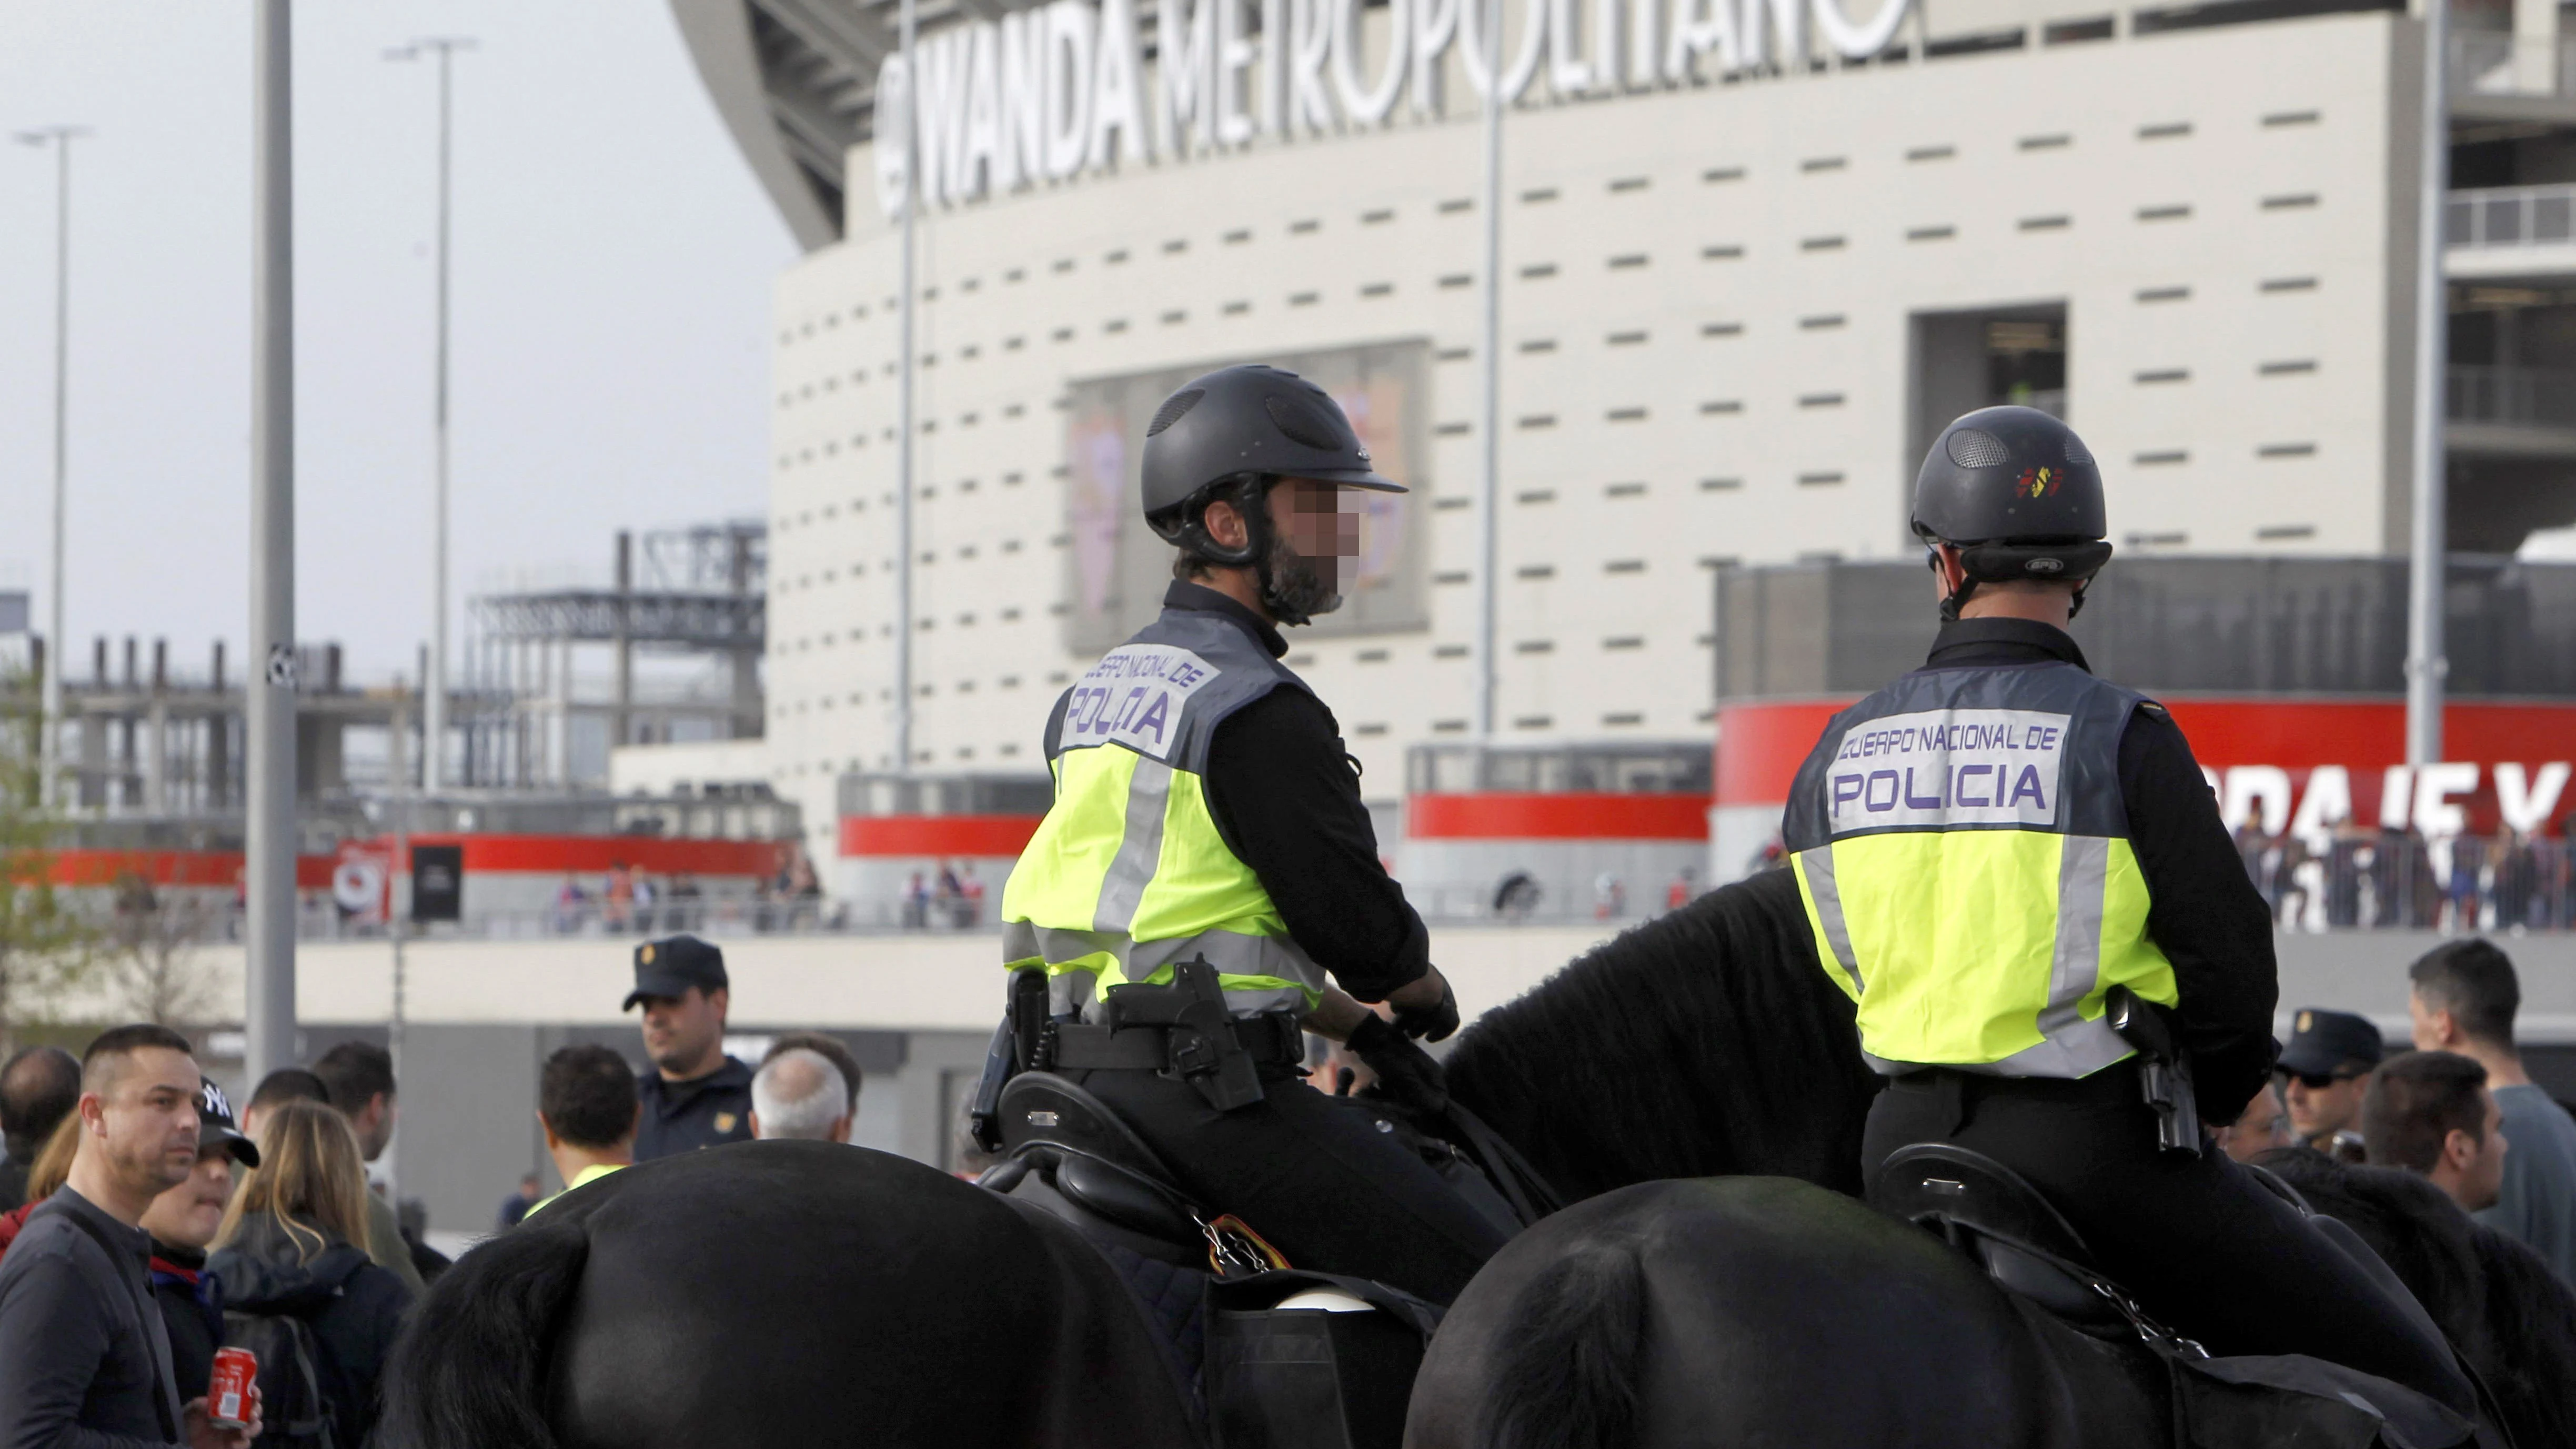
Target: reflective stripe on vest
{"type": "Point", "coordinates": [1962, 850]}
{"type": "Point", "coordinates": [1128, 872]}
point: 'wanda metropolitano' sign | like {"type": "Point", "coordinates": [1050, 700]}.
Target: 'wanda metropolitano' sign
{"type": "Point", "coordinates": [1051, 93]}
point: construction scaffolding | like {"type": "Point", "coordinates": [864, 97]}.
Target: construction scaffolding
{"type": "Point", "coordinates": [680, 629]}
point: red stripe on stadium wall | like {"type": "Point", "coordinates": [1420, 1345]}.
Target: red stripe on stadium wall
{"type": "Point", "coordinates": [536, 854]}
{"type": "Point", "coordinates": [174, 868]}
{"type": "Point", "coordinates": [905, 835]}
{"type": "Point", "coordinates": [1499, 815]}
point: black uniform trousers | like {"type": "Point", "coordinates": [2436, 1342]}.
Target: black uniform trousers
{"type": "Point", "coordinates": [2205, 1247]}
{"type": "Point", "coordinates": [1313, 1174]}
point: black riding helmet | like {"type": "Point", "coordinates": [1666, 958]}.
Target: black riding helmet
{"type": "Point", "coordinates": [1232, 434]}
{"type": "Point", "coordinates": [2020, 497]}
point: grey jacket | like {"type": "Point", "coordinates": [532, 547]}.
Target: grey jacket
{"type": "Point", "coordinates": [84, 1356]}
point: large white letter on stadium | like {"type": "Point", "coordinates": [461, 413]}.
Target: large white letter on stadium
{"type": "Point", "coordinates": [893, 143]}
{"type": "Point", "coordinates": [1274, 67]}
{"type": "Point", "coordinates": [1569, 74]}
{"type": "Point", "coordinates": [1066, 66]}
{"type": "Point", "coordinates": [1435, 24]}
{"type": "Point", "coordinates": [1524, 66]}
{"type": "Point", "coordinates": [2435, 815]}
{"type": "Point", "coordinates": [1022, 157]}
{"type": "Point", "coordinates": [979, 160]}
{"type": "Point", "coordinates": [1644, 55]}
{"type": "Point", "coordinates": [1606, 43]}
{"type": "Point", "coordinates": [2525, 804]}
{"type": "Point", "coordinates": [2327, 804]}
{"type": "Point", "coordinates": [1369, 107]}
{"type": "Point", "coordinates": [1310, 46]}
{"type": "Point", "coordinates": [2257, 792]}
{"type": "Point", "coordinates": [1117, 101]}
{"type": "Point", "coordinates": [1234, 56]}
{"type": "Point", "coordinates": [1698, 27]}
{"type": "Point", "coordinates": [1788, 50]}
{"type": "Point", "coordinates": [942, 113]}
{"type": "Point", "coordinates": [1187, 67]}
{"type": "Point", "coordinates": [1859, 42]}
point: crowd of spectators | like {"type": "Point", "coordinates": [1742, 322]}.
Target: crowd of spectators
{"type": "Point", "coordinates": [950, 898]}
{"type": "Point", "coordinates": [2358, 877]}
{"type": "Point", "coordinates": [2457, 1109]}
{"type": "Point", "coordinates": [146, 1227]}
{"type": "Point", "coordinates": [632, 901]}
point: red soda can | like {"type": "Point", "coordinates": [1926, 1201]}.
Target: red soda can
{"type": "Point", "coordinates": [228, 1393]}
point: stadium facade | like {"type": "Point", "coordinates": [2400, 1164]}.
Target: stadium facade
{"type": "Point", "coordinates": [1753, 254]}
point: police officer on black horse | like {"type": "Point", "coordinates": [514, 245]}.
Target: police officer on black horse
{"type": "Point", "coordinates": [1207, 837]}
{"type": "Point", "coordinates": [1996, 847]}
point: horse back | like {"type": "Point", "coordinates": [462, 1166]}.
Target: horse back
{"type": "Point", "coordinates": [1758, 1311]}
{"type": "Point", "coordinates": [802, 1293]}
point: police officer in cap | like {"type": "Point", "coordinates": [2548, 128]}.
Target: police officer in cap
{"type": "Point", "coordinates": [2323, 1071]}
{"type": "Point", "coordinates": [1208, 835]}
{"type": "Point", "coordinates": [696, 1095]}
{"type": "Point", "coordinates": [1989, 846]}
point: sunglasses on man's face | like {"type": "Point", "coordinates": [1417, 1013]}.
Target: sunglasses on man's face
{"type": "Point", "coordinates": [2316, 1082]}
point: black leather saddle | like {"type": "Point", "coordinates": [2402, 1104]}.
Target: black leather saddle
{"type": "Point", "coordinates": [1067, 1151]}
{"type": "Point", "coordinates": [2003, 1224]}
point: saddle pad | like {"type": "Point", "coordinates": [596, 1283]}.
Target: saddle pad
{"type": "Point", "coordinates": [1175, 1302]}
{"type": "Point", "coordinates": [2258, 1402]}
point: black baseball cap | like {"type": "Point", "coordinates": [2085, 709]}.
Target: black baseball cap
{"type": "Point", "coordinates": [216, 1127]}
{"type": "Point", "coordinates": [670, 966]}
{"type": "Point", "coordinates": [2324, 1043]}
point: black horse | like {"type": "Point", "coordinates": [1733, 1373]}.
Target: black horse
{"type": "Point", "coordinates": [779, 1293]}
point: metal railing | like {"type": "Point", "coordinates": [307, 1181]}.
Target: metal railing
{"type": "Point", "coordinates": [2390, 881]}
{"type": "Point", "coordinates": [2511, 216]}
{"type": "Point", "coordinates": [2519, 396]}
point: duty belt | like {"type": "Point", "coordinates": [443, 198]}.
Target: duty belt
{"type": "Point", "coordinates": [1273, 1038]}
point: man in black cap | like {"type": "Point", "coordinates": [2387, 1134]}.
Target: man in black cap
{"type": "Point", "coordinates": [696, 1095]}
{"type": "Point", "coordinates": [182, 1221]}
{"type": "Point", "coordinates": [2323, 1072]}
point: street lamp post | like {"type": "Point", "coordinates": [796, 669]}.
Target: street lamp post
{"type": "Point", "coordinates": [49, 742]}
{"type": "Point", "coordinates": [433, 719]}
{"type": "Point", "coordinates": [269, 729]}
{"type": "Point", "coordinates": [2426, 660]}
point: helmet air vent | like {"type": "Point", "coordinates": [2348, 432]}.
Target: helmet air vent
{"type": "Point", "coordinates": [1303, 422]}
{"type": "Point", "coordinates": [1977, 448]}
{"type": "Point", "coordinates": [1173, 408]}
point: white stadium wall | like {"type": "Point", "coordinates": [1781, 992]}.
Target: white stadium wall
{"type": "Point", "coordinates": [1706, 308]}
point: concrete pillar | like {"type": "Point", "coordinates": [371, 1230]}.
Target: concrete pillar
{"type": "Point", "coordinates": [2535, 47]}
{"type": "Point", "coordinates": [620, 721]}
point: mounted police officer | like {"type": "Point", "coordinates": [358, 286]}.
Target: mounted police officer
{"type": "Point", "coordinates": [1208, 865]}
{"type": "Point", "coordinates": [1996, 843]}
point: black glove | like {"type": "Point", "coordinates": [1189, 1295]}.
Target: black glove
{"type": "Point", "coordinates": [1405, 1072]}
{"type": "Point", "coordinates": [1431, 1023]}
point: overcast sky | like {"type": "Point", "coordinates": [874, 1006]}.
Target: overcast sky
{"type": "Point", "coordinates": [613, 262]}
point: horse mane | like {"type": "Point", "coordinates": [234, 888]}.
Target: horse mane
{"type": "Point", "coordinates": [1706, 1042]}
{"type": "Point", "coordinates": [2496, 1300]}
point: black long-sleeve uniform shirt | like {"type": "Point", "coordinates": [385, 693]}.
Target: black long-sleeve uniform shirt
{"type": "Point", "coordinates": [1286, 798]}
{"type": "Point", "coordinates": [2202, 911]}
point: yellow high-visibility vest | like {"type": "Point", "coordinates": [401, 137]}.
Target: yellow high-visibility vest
{"type": "Point", "coordinates": [1128, 873]}
{"type": "Point", "coordinates": [1963, 851]}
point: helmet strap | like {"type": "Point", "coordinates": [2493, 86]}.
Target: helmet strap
{"type": "Point", "coordinates": [1956, 598]}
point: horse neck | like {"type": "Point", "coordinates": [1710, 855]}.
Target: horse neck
{"type": "Point", "coordinates": [1707, 1042]}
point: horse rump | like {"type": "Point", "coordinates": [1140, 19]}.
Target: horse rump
{"type": "Point", "coordinates": [469, 1372]}
{"type": "Point", "coordinates": [1568, 1379]}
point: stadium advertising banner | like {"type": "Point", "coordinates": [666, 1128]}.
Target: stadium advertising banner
{"type": "Point", "coordinates": [1117, 569]}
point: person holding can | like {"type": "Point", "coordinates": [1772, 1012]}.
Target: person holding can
{"type": "Point", "coordinates": [84, 1354]}
{"type": "Point", "coordinates": [182, 1222]}
{"type": "Point", "coordinates": [293, 1246]}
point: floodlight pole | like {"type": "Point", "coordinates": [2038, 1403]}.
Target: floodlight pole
{"type": "Point", "coordinates": [269, 803]}
{"type": "Point", "coordinates": [1490, 374]}
{"type": "Point", "coordinates": [903, 625]}
{"type": "Point", "coordinates": [2427, 667]}
{"type": "Point", "coordinates": [49, 746]}
{"type": "Point", "coordinates": [433, 730]}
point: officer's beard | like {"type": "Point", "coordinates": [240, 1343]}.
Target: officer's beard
{"type": "Point", "coordinates": [1296, 588]}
